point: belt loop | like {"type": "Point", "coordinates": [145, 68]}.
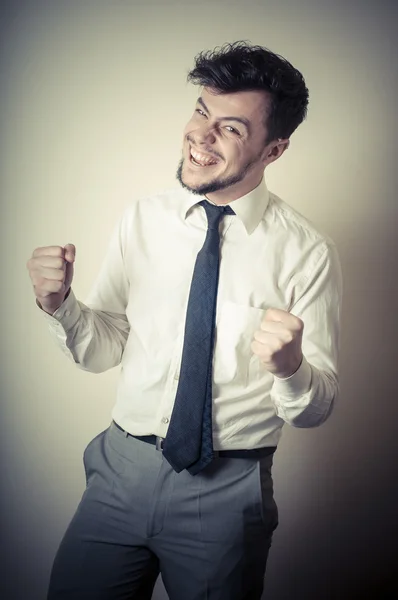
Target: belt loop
{"type": "Point", "coordinates": [159, 443]}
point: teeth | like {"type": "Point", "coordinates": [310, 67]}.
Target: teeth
{"type": "Point", "coordinates": [202, 158]}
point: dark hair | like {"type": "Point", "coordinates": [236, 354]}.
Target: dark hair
{"type": "Point", "coordinates": [241, 67]}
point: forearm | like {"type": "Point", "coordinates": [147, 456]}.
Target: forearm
{"type": "Point", "coordinates": [94, 340]}
{"type": "Point", "coordinates": [307, 398]}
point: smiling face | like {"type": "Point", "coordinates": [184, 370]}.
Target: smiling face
{"type": "Point", "coordinates": [224, 152]}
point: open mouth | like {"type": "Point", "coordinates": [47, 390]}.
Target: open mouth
{"type": "Point", "coordinates": [202, 160]}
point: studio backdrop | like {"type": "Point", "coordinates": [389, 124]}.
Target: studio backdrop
{"type": "Point", "coordinates": [93, 102]}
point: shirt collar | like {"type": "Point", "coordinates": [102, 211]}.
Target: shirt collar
{"type": "Point", "coordinates": [249, 208]}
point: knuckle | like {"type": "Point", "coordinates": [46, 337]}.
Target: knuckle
{"type": "Point", "coordinates": [59, 263]}
{"type": "Point", "coordinates": [299, 325]}
{"type": "Point", "coordinates": [48, 251]}
{"type": "Point", "coordinates": [267, 356]}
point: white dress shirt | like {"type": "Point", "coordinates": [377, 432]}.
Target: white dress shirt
{"type": "Point", "coordinates": [271, 256]}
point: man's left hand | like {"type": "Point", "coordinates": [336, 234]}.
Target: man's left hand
{"type": "Point", "coordinates": [278, 342]}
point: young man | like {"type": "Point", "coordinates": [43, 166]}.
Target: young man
{"type": "Point", "coordinates": [222, 305]}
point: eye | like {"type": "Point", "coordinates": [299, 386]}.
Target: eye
{"type": "Point", "coordinates": [202, 114]}
{"type": "Point", "coordinates": [232, 130]}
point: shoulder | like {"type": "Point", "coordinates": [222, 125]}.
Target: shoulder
{"type": "Point", "coordinates": [299, 239]}
{"type": "Point", "coordinates": [284, 217]}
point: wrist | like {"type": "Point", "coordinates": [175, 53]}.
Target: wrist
{"type": "Point", "coordinates": [290, 371]}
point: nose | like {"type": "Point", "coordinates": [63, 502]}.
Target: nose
{"type": "Point", "coordinates": [204, 135]}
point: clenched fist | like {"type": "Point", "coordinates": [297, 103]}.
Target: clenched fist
{"type": "Point", "coordinates": [278, 342]}
{"type": "Point", "coordinates": [51, 271]}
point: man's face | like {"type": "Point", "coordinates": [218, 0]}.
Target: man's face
{"type": "Point", "coordinates": [224, 151]}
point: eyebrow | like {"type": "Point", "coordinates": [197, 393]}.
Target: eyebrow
{"type": "Point", "coordinates": [242, 120]}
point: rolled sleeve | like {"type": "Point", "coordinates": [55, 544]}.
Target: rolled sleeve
{"type": "Point", "coordinates": [306, 398]}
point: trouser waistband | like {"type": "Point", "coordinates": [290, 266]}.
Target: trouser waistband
{"type": "Point", "coordinates": [251, 453]}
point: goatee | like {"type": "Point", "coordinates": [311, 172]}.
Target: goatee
{"type": "Point", "coordinates": [216, 184]}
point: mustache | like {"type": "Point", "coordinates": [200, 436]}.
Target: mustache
{"type": "Point", "coordinates": [211, 152]}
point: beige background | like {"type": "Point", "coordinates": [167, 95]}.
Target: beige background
{"type": "Point", "coordinates": [93, 103]}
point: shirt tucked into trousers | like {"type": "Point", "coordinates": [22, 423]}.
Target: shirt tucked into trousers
{"type": "Point", "coordinates": [208, 534]}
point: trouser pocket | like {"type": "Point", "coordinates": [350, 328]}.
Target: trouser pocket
{"type": "Point", "coordinates": [267, 505]}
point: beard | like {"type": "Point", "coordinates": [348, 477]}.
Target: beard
{"type": "Point", "coordinates": [217, 183]}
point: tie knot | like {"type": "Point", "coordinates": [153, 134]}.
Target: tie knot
{"type": "Point", "coordinates": [215, 213]}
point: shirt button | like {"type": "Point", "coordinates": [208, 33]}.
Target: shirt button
{"type": "Point", "coordinates": [165, 420]}
{"type": "Point", "coordinates": [67, 313]}
{"type": "Point", "coordinates": [177, 376]}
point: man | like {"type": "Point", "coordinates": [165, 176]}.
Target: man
{"type": "Point", "coordinates": [222, 305]}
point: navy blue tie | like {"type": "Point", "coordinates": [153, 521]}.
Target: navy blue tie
{"type": "Point", "coordinates": [189, 441]}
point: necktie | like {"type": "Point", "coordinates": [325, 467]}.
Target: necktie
{"type": "Point", "coordinates": [189, 441]}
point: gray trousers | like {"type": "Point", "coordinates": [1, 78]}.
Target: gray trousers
{"type": "Point", "coordinates": [208, 534]}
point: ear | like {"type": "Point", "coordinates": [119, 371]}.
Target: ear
{"type": "Point", "coordinates": [274, 150]}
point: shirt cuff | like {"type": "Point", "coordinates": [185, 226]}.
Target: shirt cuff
{"type": "Point", "coordinates": [66, 315]}
{"type": "Point", "coordinates": [297, 384]}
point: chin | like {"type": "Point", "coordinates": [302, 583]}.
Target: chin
{"type": "Point", "coordinates": [198, 184]}
{"type": "Point", "coordinates": [191, 183]}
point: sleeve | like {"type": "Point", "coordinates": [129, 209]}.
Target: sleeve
{"type": "Point", "coordinates": [306, 398]}
{"type": "Point", "coordinates": [94, 334]}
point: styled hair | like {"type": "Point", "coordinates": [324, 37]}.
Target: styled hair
{"type": "Point", "coordinates": [240, 66]}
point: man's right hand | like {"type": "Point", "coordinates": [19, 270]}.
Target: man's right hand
{"type": "Point", "coordinates": [51, 271]}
